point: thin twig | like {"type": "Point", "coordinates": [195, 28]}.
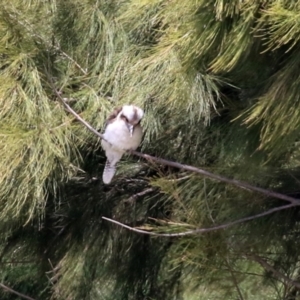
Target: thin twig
{"type": "Point", "coordinates": [137, 195]}
{"type": "Point", "coordinates": [85, 123]}
{"type": "Point", "coordinates": [206, 203]}
{"type": "Point", "coordinates": [15, 292]}
{"type": "Point", "coordinates": [203, 230]}
{"type": "Point", "coordinates": [276, 273]}
{"type": "Point", "coordinates": [235, 182]}
{"type": "Point", "coordinates": [234, 280]}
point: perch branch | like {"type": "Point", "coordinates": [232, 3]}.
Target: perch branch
{"type": "Point", "coordinates": [15, 292]}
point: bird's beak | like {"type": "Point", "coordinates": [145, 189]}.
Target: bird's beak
{"type": "Point", "coordinates": [130, 128]}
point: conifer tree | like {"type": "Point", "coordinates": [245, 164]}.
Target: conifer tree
{"type": "Point", "coordinates": [219, 83]}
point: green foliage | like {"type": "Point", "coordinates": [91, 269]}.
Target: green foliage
{"type": "Point", "coordinates": [219, 83]}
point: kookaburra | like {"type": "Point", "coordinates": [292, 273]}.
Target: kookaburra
{"type": "Point", "coordinates": [123, 132]}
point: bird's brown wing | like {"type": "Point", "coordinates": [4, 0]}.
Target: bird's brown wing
{"type": "Point", "coordinates": [113, 115]}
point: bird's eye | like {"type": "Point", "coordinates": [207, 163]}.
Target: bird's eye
{"type": "Point", "coordinates": [125, 118]}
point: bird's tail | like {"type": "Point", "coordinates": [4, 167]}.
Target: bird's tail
{"type": "Point", "coordinates": [109, 172]}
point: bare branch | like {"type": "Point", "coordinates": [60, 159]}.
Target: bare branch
{"type": "Point", "coordinates": [69, 109]}
{"type": "Point", "coordinates": [276, 273]}
{"type": "Point", "coordinates": [235, 182]}
{"type": "Point", "coordinates": [15, 292]}
{"type": "Point", "coordinates": [137, 195]}
{"type": "Point", "coordinates": [203, 230]}
{"type": "Point", "coordinates": [234, 280]}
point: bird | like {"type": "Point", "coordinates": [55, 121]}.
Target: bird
{"type": "Point", "coordinates": [122, 132]}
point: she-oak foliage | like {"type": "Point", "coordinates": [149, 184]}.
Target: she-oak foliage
{"type": "Point", "coordinates": [220, 84]}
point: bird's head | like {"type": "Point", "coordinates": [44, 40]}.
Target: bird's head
{"type": "Point", "coordinates": [132, 115]}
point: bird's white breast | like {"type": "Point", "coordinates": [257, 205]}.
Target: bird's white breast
{"type": "Point", "coordinates": [118, 135]}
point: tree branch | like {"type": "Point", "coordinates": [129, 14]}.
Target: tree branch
{"type": "Point", "coordinates": [276, 273]}
{"type": "Point", "coordinates": [202, 230]}
{"type": "Point", "coordinates": [235, 182]}
{"type": "Point", "coordinates": [234, 280]}
{"type": "Point", "coordinates": [15, 292]}
{"type": "Point", "coordinates": [137, 195]}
